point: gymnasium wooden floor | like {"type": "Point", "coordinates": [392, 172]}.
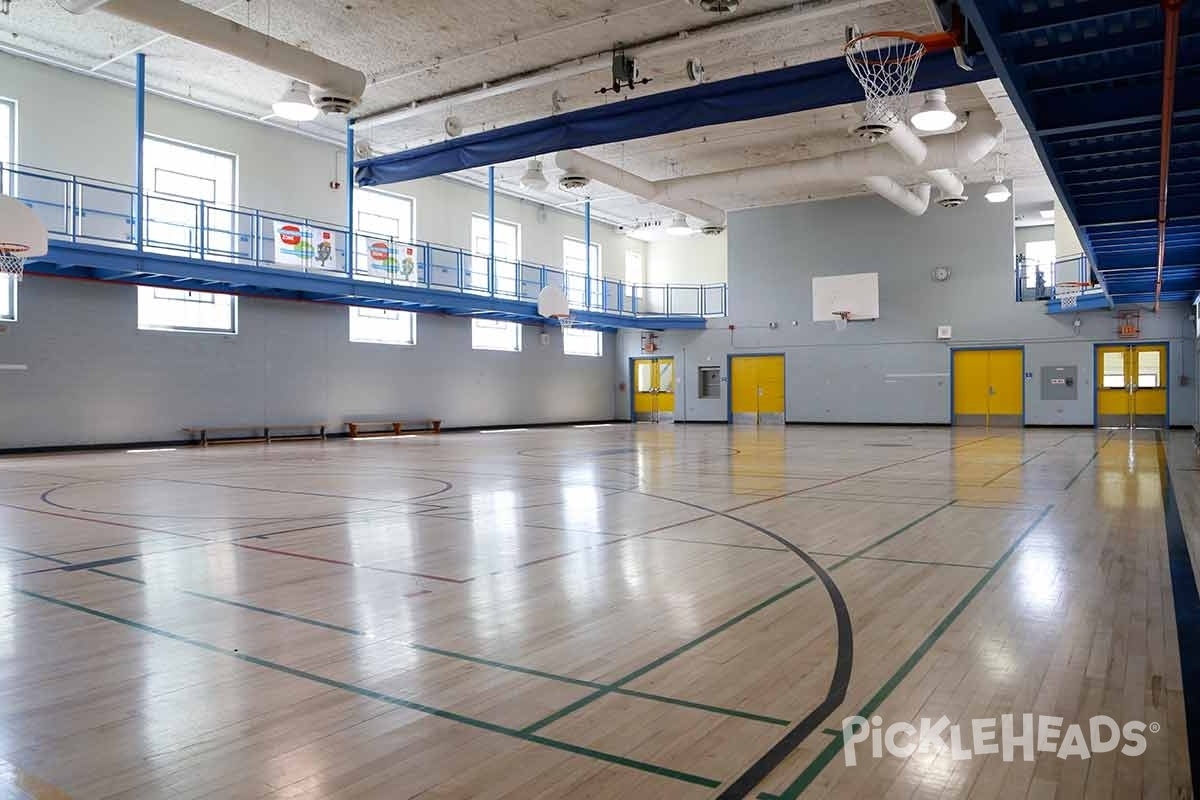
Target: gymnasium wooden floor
{"type": "Point", "coordinates": [601, 612]}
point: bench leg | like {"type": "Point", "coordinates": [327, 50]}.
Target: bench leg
{"type": "Point", "coordinates": [322, 433]}
{"type": "Point", "coordinates": [204, 438]}
{"type": "Point", "coordinates": [267, 434]}
{"type": "Point", "coordinates": [353, 429]}
{"type": "Point", "coordinates": [437, 426]}
{"type": "Point", "coordinates": [396, 428]}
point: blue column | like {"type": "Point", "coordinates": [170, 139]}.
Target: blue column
{"type": "Point", "coordinates": [350, 244]}
{"type": "Point", "coordinates": [139, 152]}
{"type": "Point", "coordinates": [492, 230]}
{"type": "Point", "coordinates": [587, 254]}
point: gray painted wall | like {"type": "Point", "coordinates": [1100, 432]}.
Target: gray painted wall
{"type": "Point", "coordinates": [893, 369]}
{"type": "Point", "coordinates": [94, 378]}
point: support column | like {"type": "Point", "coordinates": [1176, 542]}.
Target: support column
{"type": "Point", "coordinates": [587, 254]}
{"type": "Point", "coordinates": [492, 230]}
{"type": "Point", "coordinates": [139, 152]}
{"type": "Point", "coordinates": [351, 249]}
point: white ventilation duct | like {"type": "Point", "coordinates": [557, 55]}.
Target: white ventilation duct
{"type": "Point", "coordinates": [334, 88]}
{"type": "Point", "coordinates": [943, 152]}
{"type": "Point", "coordinates": [574, 163]}
{"type": "Point", "coordinates": [905, 142]}
{"type": "Point", "coordinates": [915, 202]}
{"type": "Point", "coordinates": [950, 184]}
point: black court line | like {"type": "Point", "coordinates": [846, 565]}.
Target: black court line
{"type": "Point", "coordinates": [1082, 469]}
{"type": "Point", "coordinates": [1186, 599]}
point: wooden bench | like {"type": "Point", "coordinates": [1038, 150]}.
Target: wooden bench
{"type": "Point", "coordinates": [395, 427]}
{"type": "Point", "coordinates": [252, 433]}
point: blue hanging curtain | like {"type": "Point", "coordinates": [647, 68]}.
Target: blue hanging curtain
{"type": "Point", "coordinates": [766, 94]}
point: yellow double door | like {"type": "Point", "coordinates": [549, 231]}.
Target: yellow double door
{"type": "Point", "coordinates": [1131, 387]}
{"type": "Point", "coordinates": [756, 390]}
{"type": "Point", "coordinates": [654, 389]}
{"type": "Point", "coordinates": [989, 387]}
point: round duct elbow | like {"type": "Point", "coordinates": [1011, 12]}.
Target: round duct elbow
{"type": "Point", "coordinates": [331, 101]}
{"type": "Point", "coordinates": [571, 181]}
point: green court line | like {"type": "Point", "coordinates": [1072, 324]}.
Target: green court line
{"type": "Point", "coordinates": [433, 711]}
{"type": "Point", "coordinates": [729, 712]}
{"type": "Point", "coordinates": [903, 560]}
{"type": "Point", "coordinates": [28, 554]}
{"type": "Point", "coordinates": [704, 637]}
{"type": "Point", "coordinates": [834, 747]}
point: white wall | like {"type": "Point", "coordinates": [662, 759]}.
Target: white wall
{"type": "Point", "coordinates": [894, 370]}
{"type": "Point", "coordinates": [696, 259]}
{"type": "Point", "coordinates": [1066, 240]}
{"type": "Point", "coordinates": [94, 378]}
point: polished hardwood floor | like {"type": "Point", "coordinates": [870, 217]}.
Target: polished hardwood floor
{"type": "Point", "coordinates": [589, 612]}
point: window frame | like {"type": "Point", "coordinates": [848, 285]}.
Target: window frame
{"type": "Point", "coordinates": [518, 335]}
{"type": "Point", "coordinates": [8, 184]}
{"type": "Point", "coordinates": [506, 282]}
{"type": "Point", "coordinates": [596, 352]}
{"type": "Point", "coordinates": [596, 267]}
{"type": "Point", "coordinates": [8, 298]}
{"type": "Point", "coordinates": [411, 317]}
{"type": "Point", "coordinates": [231, 330]}
{"type": "Point", "coordinates": [1031, 265]}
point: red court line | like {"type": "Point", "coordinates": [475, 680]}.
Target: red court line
{"type": "Point", "coordinates": [349, 563]}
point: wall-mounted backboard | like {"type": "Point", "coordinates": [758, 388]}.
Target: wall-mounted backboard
{"type": "Point", "coordinates": [857, 293]}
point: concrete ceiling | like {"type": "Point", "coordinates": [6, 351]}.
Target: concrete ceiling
{"type": "Point", "coordinates": [414, 50]}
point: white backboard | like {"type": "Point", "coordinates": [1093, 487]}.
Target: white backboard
{"type": "Point", "coordinates": [857, 293]}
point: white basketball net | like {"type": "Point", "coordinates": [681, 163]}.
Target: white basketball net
{"type": "Point", "coordinates": [885, 64]}
{"type": "Point", "coordinates": [566, 322]}
{"type": "Point", "coordinates": [1068, 294]}
{"type": "Point", "coordinates": [12, 263]}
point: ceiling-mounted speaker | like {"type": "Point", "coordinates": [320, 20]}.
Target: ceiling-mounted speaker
{"type": "Point", "coordinates": [363, 149]}
{"type": "Point", "coordinates": [695, 71]}
{"type": "Point", "coordinates": [716, 6]}
{"type": "Point", "coordinates": [453, 126]}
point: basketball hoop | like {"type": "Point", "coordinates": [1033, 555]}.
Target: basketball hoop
{"type": "Point", "coordinates": [565, 321]}
{"type": "Point", "coordinates": [22, 236]}
{"type": "Point", "coordinates": [1068, 292]}
{"type": "Point", "coordinates": [841, 320]}
{"type": "Point", "coordinates": [885, 63]}
{"type": "Point", "coordinates": [12, 260]}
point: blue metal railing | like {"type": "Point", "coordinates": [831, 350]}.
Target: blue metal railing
{"type": "Point", "coordinates": [1073, 268]}
{"type": "Point", "coordinates": [89, 211]}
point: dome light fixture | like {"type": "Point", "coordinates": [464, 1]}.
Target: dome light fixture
{"type": "Point", "coordinates": [998, 192]}
{"type": "Point", "coordinates": [534, 178]}
{"type": "Point", "coordinates": [295, 105]}
{"type": "Point", "coordinates": [679, 226]}
{"type": "Point", "coordinates": [933, 115]}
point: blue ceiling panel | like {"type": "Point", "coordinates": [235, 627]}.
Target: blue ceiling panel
{"type": "Point", "coordinates": [1086, 77]}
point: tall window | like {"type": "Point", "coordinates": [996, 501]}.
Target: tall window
{"type": "Point", "coordinates": [577, 269]}
{"type": "Point", "coordinates": [190, 196]}
{"type": "Point", "coordinates": [8, 140]}
{"type": "Point", "coordinates": [390, 218]}
{"type": "Point", "coordinates": [577, 342]}
{"type": "Point", "coordinates": [574, 259]}
{"type": "Point", "coordinates": [182, 311]}
{"type": "Point", "coordinates": [635, 268]}
{"type": "Point", "coordinates": [8, 154]}
{"type": "Point", "coordinates": [508, 252]}
{"type": "Point", "coordinates": [494, 334]}
{"type": "Point", "coordinates": [1039, 257]}
{"type": "Point", "coordinates": [383, 326]}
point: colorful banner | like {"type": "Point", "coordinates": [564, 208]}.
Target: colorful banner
{"type": "Point", "coordinates": [303, 246]}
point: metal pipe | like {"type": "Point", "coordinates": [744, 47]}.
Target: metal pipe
{"type": "Point", "coordinates": [766, 21]}
{"type": "Point", "coordinates": [1170, 59]}
{"type": "Point", "coordinates": [139, 149]}
{"type": "Point", "coordinates": [492, 229]}
{"type": "Point", "coordinates": [351, 245]}
{"type": "Point", "coordinates": [587, 254]}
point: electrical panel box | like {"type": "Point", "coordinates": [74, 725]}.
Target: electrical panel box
{"type": "Point", "coordinates": [1060, 383]}
{"type": "Point", "coordinates": [710, 382]}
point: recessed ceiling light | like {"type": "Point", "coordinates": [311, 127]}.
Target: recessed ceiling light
{"type": "Point", "coordinates": [294, 105]}
{"type": "Point", "coordinates": [933, 115]}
